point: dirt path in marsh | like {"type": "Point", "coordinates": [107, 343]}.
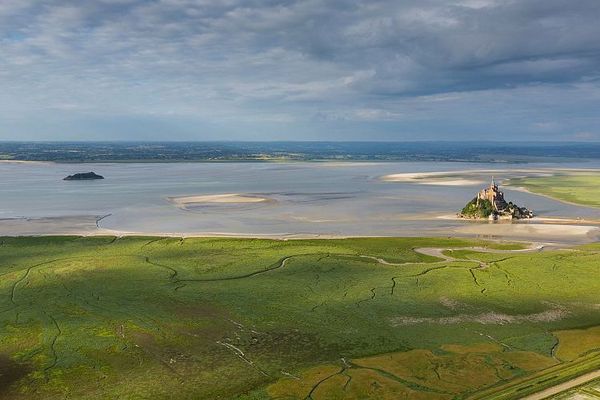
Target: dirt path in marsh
{"type": "Point", "coordinates": [439, 252]}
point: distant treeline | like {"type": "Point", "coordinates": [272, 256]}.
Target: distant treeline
{"type": "Point", "coordinates": [296, 151]}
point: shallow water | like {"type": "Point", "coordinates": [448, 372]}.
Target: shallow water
{"type": "Point", "coordinates": [310, 198]}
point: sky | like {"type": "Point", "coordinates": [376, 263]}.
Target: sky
{"type": "Point", "coordinates": [300, 70]}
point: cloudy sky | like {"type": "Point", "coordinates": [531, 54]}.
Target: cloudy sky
{"type": "Point", "coordinates": [300, 70]}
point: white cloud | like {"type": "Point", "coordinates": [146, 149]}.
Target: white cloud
{"type": "Point", "coordinates": [241, 61]}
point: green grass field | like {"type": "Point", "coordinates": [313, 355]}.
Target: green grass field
{"type": "Point", "coordinates": [166, 318]}
{"type": "Point", "coordinates": [576, 187]}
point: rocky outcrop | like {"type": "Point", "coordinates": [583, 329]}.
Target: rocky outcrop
{"type": "Point", "coordinates": [490, 204]}
{"type": "Point", "coordinates": [85, 176]}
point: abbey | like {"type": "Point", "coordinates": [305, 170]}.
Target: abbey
{"type": "Point", "coordinates": [490, 203]}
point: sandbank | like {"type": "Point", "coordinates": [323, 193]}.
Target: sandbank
{"type": "Point", "coordinates": [433, 178]}
{"type": "Point", "coordinates": [233, 198]}
{"type": "Point", "coordinates": [528, 231]}
{"type": "Point", "coordinates": [473, 177]}
{"type": "Point", "coordinates": [23, 162]}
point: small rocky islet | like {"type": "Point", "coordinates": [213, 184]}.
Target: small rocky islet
{"type": "Point", "coordinates": [84, 176]}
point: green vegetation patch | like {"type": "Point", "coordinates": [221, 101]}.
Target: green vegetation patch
{"type": "Point", "coordinates": [147, 317]}
{"type": "Point", "coordinates": [578, 188]}
{"type": "Point", "coordinates": [577, 342]}
{"type": "Point", "coordinates": [477, 209]}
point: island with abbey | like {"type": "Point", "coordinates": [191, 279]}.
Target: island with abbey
{"type": "Point", "coordinates": [490, 204]}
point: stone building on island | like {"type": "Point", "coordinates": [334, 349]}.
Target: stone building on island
{"type": "Point", "coordinates": [490, 203]}
{"type": "Point", "coordinates": [494, 196]}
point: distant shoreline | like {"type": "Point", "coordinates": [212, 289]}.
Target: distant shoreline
{"type": "Point", "coordinates": [327, 161]}
{"type": "Point", "coordinates": [298, 151]}
{"type": "Point", "coordinates": [266, 161]}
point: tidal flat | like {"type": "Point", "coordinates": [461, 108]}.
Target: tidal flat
{"type": "Point", "coordinates": [302, 199]}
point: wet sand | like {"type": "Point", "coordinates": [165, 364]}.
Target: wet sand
{"type": "Point", "coordinates": [69, 225]}
{"type": "Point", "coordinates": [435, 178]}
{"type": "Point", "coordinates": [287, 200]}
{"type": "Point", "coordinates": [531, 231]}
{"type": "Point", "coordinates": [225, 198]}
{"type": "Point", "coordinates": [551, 233]}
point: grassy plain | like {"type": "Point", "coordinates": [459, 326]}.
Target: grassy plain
{"type": "Point", "coordinates": [574, 187]}
{"type": "Point", "coordinates": [162, 318]}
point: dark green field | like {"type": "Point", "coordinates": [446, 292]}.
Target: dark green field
{"type": "Point", "coordinates": [167, 318]}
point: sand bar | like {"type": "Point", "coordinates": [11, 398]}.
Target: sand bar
{"type": "Point", "coordinates": [473, 177]}
{"type": "Point", "coordinates": [529, 231]}
{"type": "Point", "coordinates": [23, 162]}
{"type": "Point", "coordinates": [451, 178]}
{"type": "Point", "coordinates": [234, 198]}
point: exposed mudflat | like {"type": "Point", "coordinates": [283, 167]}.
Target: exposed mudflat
{"type": "Point", "coordinates": [283, 200]}
{"type": "Point", "coordinates": [532, 231]}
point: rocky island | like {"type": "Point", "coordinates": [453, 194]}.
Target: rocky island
{"type": "Point", "coordinates": [490, 204]}
{"type": "Point", "coordinates": [85, 176]}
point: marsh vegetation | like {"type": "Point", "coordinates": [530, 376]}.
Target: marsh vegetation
{"type": "Point", "coordinates": [153, 317]}
{"type": "Point", "coordinates": [582, 188]}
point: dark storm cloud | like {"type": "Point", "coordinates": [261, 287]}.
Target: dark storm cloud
{"type": "Point", "coordinates": [232, 64]}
